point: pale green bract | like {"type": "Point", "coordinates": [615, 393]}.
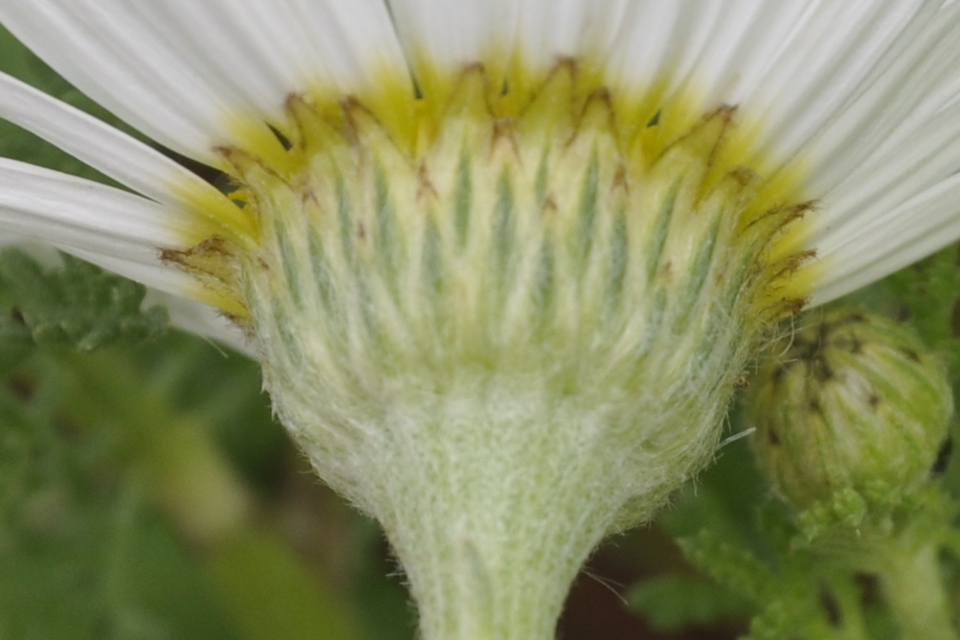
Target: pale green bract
{"type": "Point", "coordinates": [487, 344]}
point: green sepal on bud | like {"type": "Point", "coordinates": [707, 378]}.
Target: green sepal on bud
{"type": "Point", "coordinates": [850, 401]}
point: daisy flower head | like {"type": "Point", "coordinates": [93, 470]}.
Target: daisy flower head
{"type": "Point", "coordinates": [502, 262]}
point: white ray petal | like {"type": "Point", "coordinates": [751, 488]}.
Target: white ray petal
{"type": "Point", "coordinates": [78, 215]}
{"type": "Point", "coordinates": [829, 55]}
{"type": "Point", "coordinates": [260, 52]}
{"type": "Point", "coordinates": [168, 281]}
{"type": "Point", "coordinates": [795, 63]}
{"type": "Point", "coordinates": [200, 319]}
{"type": "Point", "coordinates": [888, 240]}
{"type": "Point", "coordinates": [885, 180]}
{"type": "Point", "coordinates": [117, 60]}
{"type": "Point", "coordinates": [99, 145]}
{"type": "Point", "coordinates": [915, 88]}
{"type": "Point", "coordinates": [720, 47]}
{"type": "Point", "coordinates": [189, 315]}
{"type": "Point", "coordinates": [644, 57]}
{"type": "Point", "coordinates": [455, 32]}
{"type": "Point", "coordinates": [344, 44]}
{"type": "Point", "coordinates": [185, 68]}
{"type": "Point", "coordinates": [548, 29]}
{"type": "Point", "coordinates": [659, 37]}
{"type": "Point", "coordinates": [739, 45]}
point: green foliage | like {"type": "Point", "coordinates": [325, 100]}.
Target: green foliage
{"type": "Point", "coordinates": [672, 603]}
{"type": "Point", "coordinates": [95, 521]}
{"type": "Point", "coordinates": [929, 291]}
{"type": "Point", "coordinates": [250, 567]}
{"type": "Point", "coordinates": [731, 565]}
{"type": "Point", "coordinates": [77, 304]}
{"type": "Point", "coordinates": [82, 555]}
{"type": "Point", "coordinates": [21, 63]}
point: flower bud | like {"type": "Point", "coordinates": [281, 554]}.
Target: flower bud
{"type": "Point", "coordinates": [850, 400]}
